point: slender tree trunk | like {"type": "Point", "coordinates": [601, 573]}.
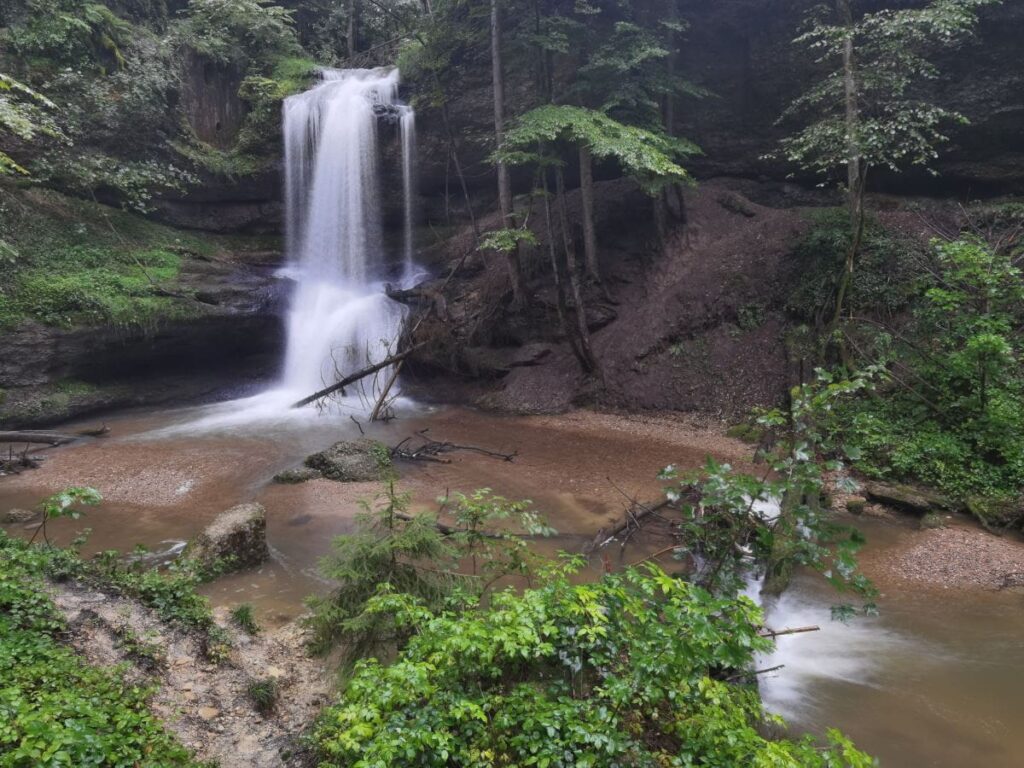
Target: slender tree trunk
{"type": "Point", "coordinates": [588, 360]}
{"type": "Point", "coordinates": [504, 181]}
{"type": "Point", "coordinates": [353, 28]}
{"type": "Point", "coordinates": [560, 304]}
{"type": "Point", "coordinates": [855, 170]}
{"type": "Point", "coordinates": [587, 194]}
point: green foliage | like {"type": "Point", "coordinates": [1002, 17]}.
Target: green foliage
{"type": "Point", "coordinates": [243, 618]}
{"type": "Point", "coordinates": [954, 412]}
{"type": "Point", "coordinates": [507, 240]}
{"type": "Point", "coordinates": [410, 554]}
{"type": "Point", "coordinates": [885, 283]}
{"type": "Point", "coordinates": [734, 522]}
{"type": "Point", "coordinates": [632, 670]}
{"type": "Point", "coordinates": [65, 504]}
{"type": "Point", "coordinates": [24, 114]}
{"type": "Point", "coordinates": [648, 156]}
{"type": "Point", "coordinates": [389, 547]}
{"type": "Point", "coordinates": [894, 125]}
{"type": "Point", "coordinates": [77, 262]}
{"type": "Point", "coordinates": [55, 709]}
{"type": "Point", "coordinates": [73, 33]}
{"type": "Point", "coordinates": [263, 694]}
{"type": "Point", "coordinates": [238, 31]}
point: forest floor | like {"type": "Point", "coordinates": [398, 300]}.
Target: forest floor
{"type": "Point", "coordinates": [208, 706]}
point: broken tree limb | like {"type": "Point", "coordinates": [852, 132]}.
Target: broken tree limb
{"type": "Point", "coordinates": [791, 631]}
{"type": "Point", "coordinates": [449, 530]}
{"type": "Point", "coordinates": [635, 513]}
{"type": "Point", "coordinates": [755, 672]}
{"type": "Point", "coordinates": [430, 450]}
{"type": "Point", "coordinates": [353, 378]}
{"type": "Point", "coordinates": [39, 437]}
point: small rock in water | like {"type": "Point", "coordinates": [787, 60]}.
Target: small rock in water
{"type": "Point", "coordinates": [297, 475]}
{"type": "Point", "coordinates": [20, 516]}
{"type": "Point", "coordinates": [352, 461]}
{"type": "Point", "coordinates": [856, 504]}
{"type": "Point", "coordinates": [237, 537]}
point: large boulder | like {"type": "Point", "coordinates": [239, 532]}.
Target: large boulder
{"type": "Point", "coordinates": [352, 461]}
{"type": "Point", "coordinates": [236, 538]}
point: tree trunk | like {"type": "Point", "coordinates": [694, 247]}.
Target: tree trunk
{"type": "Point", "coordinates": [855, 170]}
{"type": "Point", "coordinates": [587, 194]}
{"type": "Point", "coordinates": [587, 356]}
{"type": "Point", "coordinates": [353, 29]}
{"type": "Point", "coordinates": [560, 304]}
{"type": "Point", "coordinates": [504, 182]}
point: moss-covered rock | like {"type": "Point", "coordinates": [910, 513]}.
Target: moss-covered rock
{"type": "Point", "coordinates": [353, 461]}
{"type": "Point", "coordinates": [297, 475]}
{"type": "Point", "coordinates": [236, 538]}
{"type": "Point", "coordinates": [997, 514]}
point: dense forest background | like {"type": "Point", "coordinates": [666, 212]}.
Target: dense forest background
{"type": "Point", "coordinates": [641, 204]}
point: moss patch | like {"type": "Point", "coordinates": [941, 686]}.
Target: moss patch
{"type": "Point", "coordinates": [73, 262]}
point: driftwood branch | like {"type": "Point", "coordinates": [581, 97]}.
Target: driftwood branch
{"type": "Point", "coordinates": [38, 437]}
{"type": "Point", "coordinates": [431, 450]}
{"type": "Point", "coordinates": [449, 530]}
{"type": "Point", "coordinates": [353, 378]}
{"type": "Point", "coordinates": [634, 515]}
{"type": "Point", "coordinates": [791, 631]}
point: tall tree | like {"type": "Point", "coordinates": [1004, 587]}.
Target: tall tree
{"type": "Point", "coordinates": [504, 180]}
{"type": "Point", "coordinates": [868, 111]}
{"type": "Point", "coordinates": [647, 156]}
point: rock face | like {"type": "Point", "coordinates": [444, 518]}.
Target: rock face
{"type": "Point", "coordinates": [351, 462]}
{"type": "Point", "coordinates": [237, 536]}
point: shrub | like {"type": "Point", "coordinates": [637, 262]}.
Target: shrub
{"type": "Point", "coordinates": [637, 669]}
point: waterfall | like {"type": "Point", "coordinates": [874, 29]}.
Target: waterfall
{"type": "Point", "coordinates": [340, 319]}
{"type": "Point", "coordinates": [407, 127]}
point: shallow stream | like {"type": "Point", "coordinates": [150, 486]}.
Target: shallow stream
{"type": "Point", "coordinates": [936, 680]}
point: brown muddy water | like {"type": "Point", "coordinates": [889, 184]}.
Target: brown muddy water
{"type": "Point", "coordinates": [937, 679]}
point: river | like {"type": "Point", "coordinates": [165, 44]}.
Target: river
{"type": "Point", "coordinates": [937, 679]}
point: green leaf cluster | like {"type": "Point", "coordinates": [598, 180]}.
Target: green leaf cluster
{"type": "Point", "coordinates": [631, 670]}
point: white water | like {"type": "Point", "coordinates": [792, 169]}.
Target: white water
{"type": "Point", "coordinates": [340, 319]}
{"type": "Point", "coordinates": [852, 653]}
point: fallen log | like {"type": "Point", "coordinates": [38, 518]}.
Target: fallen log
{"type": "Point", "coordinates": [449, 530]}
{"type": "Point", "coordinates": [353, 378]}
{"type": "Point", "coordinates": [40, 437]}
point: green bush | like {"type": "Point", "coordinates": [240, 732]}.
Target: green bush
{"type": "Point", "coordinates": [883, 283]}
{"type": "Point", "coordinates": [636, 669]}
{"type": "Point", "coordinates": [952, 414]}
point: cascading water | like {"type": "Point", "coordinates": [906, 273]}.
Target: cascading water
{"type": "Point", "coordinates": [340, 319]}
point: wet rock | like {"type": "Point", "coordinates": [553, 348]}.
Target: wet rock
{"type": "Point", "coordinates": [907, 498]}
{"type": "Point", "coordinates": [352, 461]}
{"type": "Point", "coordinates": [856, 504]}
{"type": "Point", "coordinates": [297, 475]}
{"type": "Point", "coordinates": [236, 538]}
{"type": "Point", "coordinates": [931, 520]}
{"type": "Point", "coordinates": [20, 516]}
{"type": "Point", "coordinates": [996, 514]}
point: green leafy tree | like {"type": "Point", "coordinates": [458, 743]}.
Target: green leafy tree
{"type": "Point", "coordinates": [542, 135]}
{"type": "Point", "coordinates": [66, 504]}
{"type": "Point", "coordinates": [869, 110]}
{"type": "Point", "coordinates": [735, 524]}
